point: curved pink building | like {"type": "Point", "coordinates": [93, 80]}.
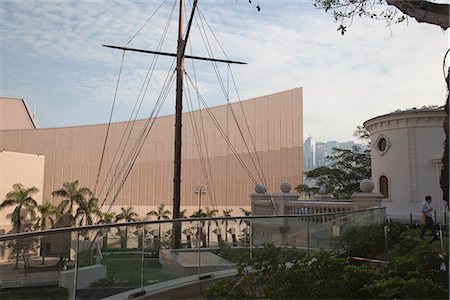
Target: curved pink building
{"type": "Point", "coordinates": [72, 153]}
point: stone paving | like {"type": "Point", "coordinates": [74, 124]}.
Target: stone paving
{"type": "Point", "coordinates": [10, 277]}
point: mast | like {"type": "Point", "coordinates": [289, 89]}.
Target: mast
{"type": "Point", "coordinates": [181, 49]}
{"type": "Point", "coordinates": [176, 231]}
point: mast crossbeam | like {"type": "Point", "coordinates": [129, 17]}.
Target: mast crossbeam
{"type": "Point", "coordinates": [174, 54]}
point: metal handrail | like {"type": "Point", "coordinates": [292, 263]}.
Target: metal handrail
{"type": "Point", "coordinates": [29, 234]}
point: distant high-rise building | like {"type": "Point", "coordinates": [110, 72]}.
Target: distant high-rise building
{"type": "Point", "coordinates": [316, 153]}
{"type": "Point", "coordinates": [309, 148]}
{"type": "Point", "coordinates": [321, 153]}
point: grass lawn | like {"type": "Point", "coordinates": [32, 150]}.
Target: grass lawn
{"type": "Point", "coordinates": [126, 269]}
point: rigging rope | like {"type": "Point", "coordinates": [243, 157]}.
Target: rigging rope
{"type": "Point", "coordinates": [134, 115]}
{"type": "Point", "coordinates": [145, 23]}
{"type": "Point", "coordinates": [205, 163]}
{"type": "Point", "coordinates": [256, 164]}
{"type": "Point", "coordinates": [109, 123]}
{"type": "Point", "coordinates": [199, 148]}
{"type": "Point", "coordinates": [144, 138]}
{"type": "Point", "coordinates": [136, 147]}
{"type": "Point", "coordinates": [216, 123]}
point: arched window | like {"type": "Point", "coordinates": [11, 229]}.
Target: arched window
{"type": "Point", "coordinates": [384, 186]}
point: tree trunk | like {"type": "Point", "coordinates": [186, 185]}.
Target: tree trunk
{"type": "Point", "coordinates": [226, 232]}
{"type": "Point", "coordinates": [43, 247]}
{"type": "Point", "coordinates": [105, 241]}
{"type": "Point", "coordinates": [17, 260]}
{"type": "Point", "coordinates": [444, 180]}
{"type": "Point", "coordinates": [424, 11]}
{"type": "Point", "coordinates": [125, 239]}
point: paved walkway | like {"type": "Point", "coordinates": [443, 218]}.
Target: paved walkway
{"type": "Point", "coordinates": [10, 277]}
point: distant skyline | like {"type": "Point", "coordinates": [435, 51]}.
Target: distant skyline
{"type": "Point", "coordinates": [51, 56]}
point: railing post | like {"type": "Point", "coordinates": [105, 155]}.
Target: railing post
{"type": "Point", "coordinates": [199, 236]}
{"type": "Point", "coordinates": [386, 245]}
{"type": "Point", "coordinates": [75, 273]}
{"type": "Point", "coordinates": [142, 257]}
{"type": "Point", "coordinates": [307, 235]}
{"type": "Point", "coordinates": [251, 238]}
{"type": "Point", "coordinates": [323, 232]}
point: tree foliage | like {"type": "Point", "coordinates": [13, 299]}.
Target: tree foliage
{"type": "Point", "coordinates": [22, 199]}
{"type": "Point", "coordinates": [347, 169]}
{"type": "Point", "coordinates": [161, 213]}
{"type": "Point", "coordinates": [286, 273]}
{"type": "Point", "coordinates": [71, 194]}
{"type": "Point", "coordinates": [304, 188]}
{"type": "Point", "coordinates": [87, 207]}
{"type": "Point", "coordinates": [390, 11]}
{"type": "Point", "coordinates": [361, 133]}
{"type": "Point", "coordinates": [47, 216]}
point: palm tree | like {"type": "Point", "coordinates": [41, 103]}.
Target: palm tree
{"type": "Point", "coordinates": [210, 213]}
{"type": "Point", "coordinates": [200, 235]}
{"type": "Point", "coordinates": [246, 213]}
{"type": "Point", "coordinates": [226, 213]}
{"type": "Point", "coordinates": [71, 194]}
{"type": "Point", "coordinates": [198, 214]}
{"type": "Point", "coordinates": [127, 215]}
{"type": "Point", "coordinates": [161, 213]}
{"type": "Point", "coordinates": [22, 199]}
{"type": "Point", "coordinates": [47, 213]}
{"type": "Point", "coordinates": [106, 218]}
{"type": "Point", "coordinates": [85, 210]}
{"type": "Point", "coordinates": [47, 216]}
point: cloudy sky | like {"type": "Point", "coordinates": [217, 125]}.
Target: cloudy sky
{"type": "Point", "coordinates": [51, 55]}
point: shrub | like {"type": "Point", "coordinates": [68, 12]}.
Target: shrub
{"type": "Point", "coordinates": [366, 241]}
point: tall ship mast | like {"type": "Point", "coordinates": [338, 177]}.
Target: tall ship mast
{"type": "Point", "coordinates": [180, 55]}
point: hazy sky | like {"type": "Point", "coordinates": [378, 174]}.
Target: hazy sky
{"type": "Point", "coordinates": [51, 55]}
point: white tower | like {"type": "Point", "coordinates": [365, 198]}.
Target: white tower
{"type": "Point", "coordinates": [406, 150]}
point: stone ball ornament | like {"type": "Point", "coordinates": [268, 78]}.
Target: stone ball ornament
{"type": "Point", "coordinates": [260, 188]}
{"type": "Point", "coordinates": [285, 187]}
{"type": "Point", "coordinates": [366, 185]}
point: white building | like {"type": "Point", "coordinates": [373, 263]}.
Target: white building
{"type": "Point", "coordinates": [407, 148]}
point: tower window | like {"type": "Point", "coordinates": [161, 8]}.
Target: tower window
{"type": "Point", "coordinates": [384, 186]}
{"type": "Point", "coordinates": [382, 144]}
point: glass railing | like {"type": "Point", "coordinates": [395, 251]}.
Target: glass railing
{"type": "Point", "coordinates": [110, 259]}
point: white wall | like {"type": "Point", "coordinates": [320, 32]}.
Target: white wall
{"type": "Point", "coordinates": [27, 169]}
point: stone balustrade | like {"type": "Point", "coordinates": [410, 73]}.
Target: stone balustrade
{"type": "Point", "coordinates": [288, 203]}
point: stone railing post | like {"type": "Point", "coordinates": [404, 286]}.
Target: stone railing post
{"type": "Point", "coordinates": [367, 198]}
{"type": "Point", "coordinates": [281, 199]}
{"type": "Point", "coordinates": [259, 198]}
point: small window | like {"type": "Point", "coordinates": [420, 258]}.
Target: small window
{"type": "Point", "coordinates": [382, 144]}
{"type": "Point", "coordinates": [384, 186]}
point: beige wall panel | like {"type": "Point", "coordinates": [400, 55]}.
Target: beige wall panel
{"type": "Point", "coordinates": [74, 153]}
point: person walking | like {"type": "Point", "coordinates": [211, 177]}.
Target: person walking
{"type": "Point", "coordinates": [427, 218]}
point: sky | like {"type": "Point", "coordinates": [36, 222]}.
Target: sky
{"type": "Point", "coordinates": [51, 56]}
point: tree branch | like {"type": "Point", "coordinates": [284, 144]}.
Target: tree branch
{"type": "Point", "coordinates": [424, 11]}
